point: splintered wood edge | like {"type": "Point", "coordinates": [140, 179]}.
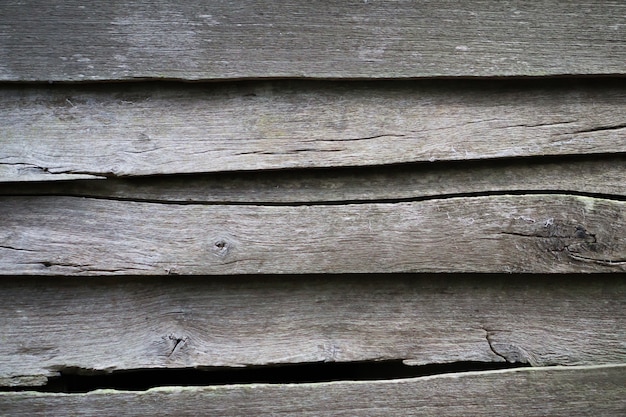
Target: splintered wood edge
{"type": "Point", "coordinates": [77, 41]}
{"type": "Point", "coordinates": [571, 391]}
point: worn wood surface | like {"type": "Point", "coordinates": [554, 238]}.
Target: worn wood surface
{"type": "Point", "coordinates": [583, 175]}
{"type": "Point", "coordinates": [565, 212]}
{"type": "Point", "coordinates": [525, 233]}
{"type": "Point", "coordinates": [557, 391]}
{"type": "Point", "coordinates": [61, 132]}
{"type": "Point", "coordinates": [72, 40]}
{"type": "Point", "coordinates": [142, 323]}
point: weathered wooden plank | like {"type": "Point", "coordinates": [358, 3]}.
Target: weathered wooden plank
{"type": "Point", "coordinates": [117, 130]}
{"type": "Point", "coordinates": [75, 41]}
{"type": "Point", "coordinates": [144, 323]}
{"type": "Point", "coordinates": [595, 175]}
{"type": "Point", "coordinates": [524, 233]}
{"type": "Point", "coordinates": [557, 391]}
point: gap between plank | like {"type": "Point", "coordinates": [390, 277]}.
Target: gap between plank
{"type": "Point", "coordinates": [76, 380]}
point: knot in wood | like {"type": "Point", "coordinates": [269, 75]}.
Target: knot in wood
{"type": "Point", "coordinates": [221, 247]}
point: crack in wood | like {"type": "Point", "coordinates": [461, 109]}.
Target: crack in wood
{"type": "Point", "coordinates": [551, 232]}
{"type": "Point", "coordinates": [25, 166]}
{"type": "Point", "coordinates": [602, 128]}
{"type": "Point", "coordinates": [564, 193]}
{"type": "Point", "coordinates": [389, 135]}
{"type": "Point", "coordinates": [81, 268]}
{"type": "Point", "coordinates": [600, 261]}
{"type": "Point", "coordinates": [547, 124]}
{"type": "Point", "coordinates": [568, 243]}
{"type": "Point", "coordinates": [289, 152]}
{"type": "Point", "coordinates": [14, 248]}
{"type": "Point", "coordinates": [488, 335]}
{"type": "Point", "coordinates": [179, 342]}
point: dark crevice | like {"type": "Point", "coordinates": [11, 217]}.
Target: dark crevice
{"type": "Point", "coordinates": [546, 81]}
{"type": "Point", "coordinates": [74, 380]}
{"type": "Point", "coordinates": [614, 197]}
{"type": "Point", "coordinates": [328, 186]}
{"type": "Point", "coordinates": [488, 336]}
{"type": "Point", "coordinates": [332, 172]}
{"type": "Point", "coordinates": [14, 248]}
{"type": "Point", "coordinates": [601, 128]}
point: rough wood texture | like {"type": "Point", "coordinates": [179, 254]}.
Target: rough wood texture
{"type": "Point", "coordinates": [136, 323]}
{"type": "Point", "coordinates": [532, 233]}
{"type": "Point", "coordinates": [73, 40]}
{"type": "Point", "coordinates": [594, 175]}
{"type": "Point", "coordinates": [529, 233]}
{"type": "Point", "coordinates": [59, 132]}
{"type": "Point", "coordinates": [558, 391]}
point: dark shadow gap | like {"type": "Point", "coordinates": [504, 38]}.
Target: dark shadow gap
{"type": "Point", "coordinates": [72, 380]}
{"type": "Point", "coordinates": [614, 197]}
{"type": "Point", "coordinates": [502, 79]}
{"type": "Point", "coordinates": [324, 173]}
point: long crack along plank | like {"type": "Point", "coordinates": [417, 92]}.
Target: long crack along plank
{"type": "Point", "coordinates": [564, 391]}
{"type": "Point", "coordinates": [152, 322]}
{"type": "Point", "coordinates": [524, 233]}
{"type": "Point", "coordinates": [193, 40]}
{"type": "Point", "coordinates": [583, 175]}
{"type": "Point", "coordinates": [69, 132]}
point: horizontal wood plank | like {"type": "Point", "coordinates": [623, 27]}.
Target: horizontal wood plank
{"type": "Point", "coordinates": [558, 391]}
{"type": "Point", "coordinates": [524, 233]}
{"type": "Point", "coordinates": [112, 324]}
{"type": "Point", "coordinates": [122, 130]}
{"type": "Point", "coordinates": [193, 40]}
{"type": "Point", "coordinates": [590, 175]}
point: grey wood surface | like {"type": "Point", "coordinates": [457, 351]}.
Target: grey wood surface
{"type": "Point", "coordinates": [591, 175]}
{"type": "Point", "coordinates": [61, 132]}
{"type": "Point", "coordinates": [558, 391]}
{"type": "Point", "coordinates": [109, 324]}
{"type": "Point", "coordinates": [71, 40]}
{"type": "Point", "coordinates": [499, 233]}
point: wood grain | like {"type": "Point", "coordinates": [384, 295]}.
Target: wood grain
{"type": "Point", "coordinates": [109, 324]}
{"type": "Point", "coordinates": [120, 40]}
{"type": "Point", "coordinates": [590, 175]}
{"type": "Point", "coordinates": [61, 132]}
{"type": "Point", "coordinates": [558, 391]}
{"type": "Point", "coordinates": [525, 233]}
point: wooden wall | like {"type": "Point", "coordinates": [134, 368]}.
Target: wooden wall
{"type": "Point", "coordinates": [430, 194]}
